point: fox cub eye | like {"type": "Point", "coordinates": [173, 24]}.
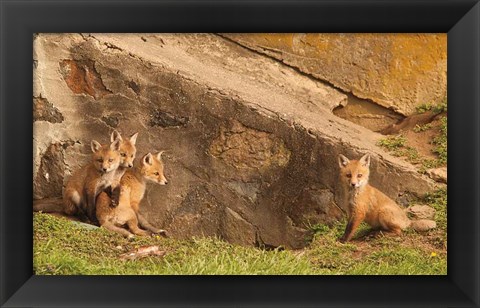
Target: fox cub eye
{"type": "Point", "coordinates": [349, 175]}
{"type": "Point", "coordinates": [156, 173]}
{"type": "Point", "coordinates": [100, 160]}
{"type": "Point", "coordinates": [123, 154]}
{"type": "Point", "coordinates": [110, 160]}
{"type": "Point", "coordinates": [359, 175]}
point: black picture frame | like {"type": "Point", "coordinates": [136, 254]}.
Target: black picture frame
{"type": "Point", "coordinates": [21, 19]}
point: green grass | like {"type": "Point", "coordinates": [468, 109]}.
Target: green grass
{"type": "Point", "coordinates": [427, 163]}
{"type": "Point", "coordinates": [440, 142]}
{"type": "Point", "coordinates": [393, 143]}
{"type": "Point", "coordinates": [438, 200]}
{"type": "Point", "coordinates": [421, 128]}
{"type": "Point", "coordinates": [398, 147]}
{"type": "Point", "coordinates": [397, 144]}
{"type": "Point", "coordinates": [437, 108]}
{"type": "Point", "coordinates": [64, 248]}
{"type": "Point", "coordinates": [383, 254]}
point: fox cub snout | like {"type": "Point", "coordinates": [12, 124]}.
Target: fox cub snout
{"type": "Point", "coordinates": [366, 203]}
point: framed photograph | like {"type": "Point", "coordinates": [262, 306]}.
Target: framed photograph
{"type": "Point", "coordinates": [199, 153]}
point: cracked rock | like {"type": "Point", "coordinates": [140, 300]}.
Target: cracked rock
{"type": "Point", "coordinates": [166, 119]}
{"type": "Point", "coordinates": [82, 78]}
{"type": "Point", "coordinates": [43, 110]}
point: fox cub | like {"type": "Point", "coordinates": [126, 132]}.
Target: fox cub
{"type": "Point", "coordinates": [132, 190]}
{"type": "Point", "coordinates": [85, 184]}
{"type": "Point", "coordinates": [366, 203]}
{"type": "Point", "coordinates": [127, 149]}
{"type": "Point", "coordinates": [127, 152]}
{"type": "Point", "coordinates": [108, 165]}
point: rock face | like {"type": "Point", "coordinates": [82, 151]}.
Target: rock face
{"type": "Point", "coordinates": [422, 212]}
{"type": "Point", "coordinates": [438, 174]}
{"type": "Point", "coordinates": [248, 149]}
{"type": "Point", "coordinates": [43, 110]}
{"type": "Point", "coordinates": [397, 71]}
{"type": "Point", "coordinates": [251, 145]}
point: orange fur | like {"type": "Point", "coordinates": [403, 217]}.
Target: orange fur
{"type": "Point", "coordinates": [132, 190]}
{"type": "Point", "coordinates": [127, 151]}
{"type": "Point", "coordinates": [86, 183]}
{"type": "Point", "coordinates": [365, 202]}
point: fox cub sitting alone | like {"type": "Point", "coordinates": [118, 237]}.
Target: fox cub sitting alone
{"type": "Point", "coordinates": [366, 203]}
{"type": "Point", "coordinates": [132, 189]}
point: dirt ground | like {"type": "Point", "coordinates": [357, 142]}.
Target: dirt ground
{"type": "Point", "coordinates": [388, 122]}
{"type": "Point", "coordinates": [422, 141]}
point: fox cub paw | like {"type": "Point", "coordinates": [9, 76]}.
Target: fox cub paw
{"type": "Point", "coordinates": [114, 195]}
{"type": "Point", "coordinates": [114, 203]}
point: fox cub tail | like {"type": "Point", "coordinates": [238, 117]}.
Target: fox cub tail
{"type": "Point", "coordinates": [421, 217]}
{"type": "Point", "coordinates": [422, 225]}
{"type": "Point", "coordinates": [51, 205]}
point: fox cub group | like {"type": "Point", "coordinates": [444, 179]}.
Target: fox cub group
{"type": "Point", "coordinates": [108, 190]}
{"type": "Point", "coordinates": [366, 203]}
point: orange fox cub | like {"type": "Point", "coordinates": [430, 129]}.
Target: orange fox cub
{"type": "Point", "coordinates": [132, 189]}
{"type": "Point", "coordinates": [127, 149]}
{"type": "Point", "coordinates": [74, 199]}
{"type": "Point", "coordinates": [86, 183]}
{"type": "Point", "coordinates": [127, 152]}
{"type": "Point", "coordinates": [366, 203]}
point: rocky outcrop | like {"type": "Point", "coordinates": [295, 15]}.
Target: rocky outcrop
{"type": "Point", "coordinates": [251, 145]}
{"type": "Point", "coordinates": [397, 71]}
{"type": "Point", "coordinates": [421, 212]}
{"type": "Point", "coordinates": [438, 174]}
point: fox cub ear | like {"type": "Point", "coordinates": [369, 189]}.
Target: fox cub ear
{"type": "Point", "coordinates": [147, 159]}
{"type": "Point", "coordinates": [342, 160]}
{"type": "Point", "coordinates": [115, 135]}
{"type": "Point", "coordinates": [115, 146]}
{"type": "Point", "coordinates": [133, 138]}
{"type": "Point", "coordinates": [159, 155]}
{"type": "Point", "coordinates": [365, 160]}
{"type": "Point", "coordinates": [95, 146]}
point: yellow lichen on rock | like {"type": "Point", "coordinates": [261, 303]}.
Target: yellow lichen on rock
{"type": "Point", "coordinates": [397, 71]}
